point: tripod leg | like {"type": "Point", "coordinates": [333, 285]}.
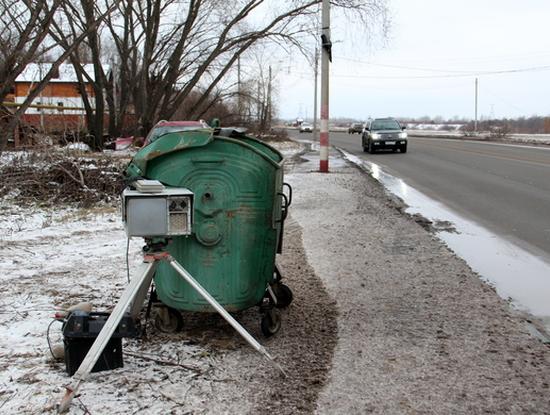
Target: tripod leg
{"type": "Point", "coordinates": [240, 329]}
{"type": "Point", "coordinates": [105, 334]}
{"type": "Point", "coordinates": [135, 308]}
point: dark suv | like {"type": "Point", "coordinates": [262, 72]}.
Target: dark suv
{"type": "Point", "coordinates": [355, 128]}
{"type": "Point", "coordinates": [384, 134]}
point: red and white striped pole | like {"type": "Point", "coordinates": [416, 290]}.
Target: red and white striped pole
{"type": "Point", "coordinates": [326, 58]}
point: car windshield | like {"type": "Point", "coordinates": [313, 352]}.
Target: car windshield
{"type": "Point", "coordinates": [385, 125]}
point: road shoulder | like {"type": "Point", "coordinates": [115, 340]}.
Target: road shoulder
{"type": "Point", "coordinates": [418, 331]}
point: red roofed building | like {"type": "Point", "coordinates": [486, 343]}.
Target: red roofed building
{"type": "Point", "coordinates": [61, 92]}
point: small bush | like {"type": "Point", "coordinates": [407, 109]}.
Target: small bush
{"type": "Point", "coordinates": [50, 178]}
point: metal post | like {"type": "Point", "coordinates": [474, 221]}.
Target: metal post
{"type": "Point", "coordinates": [475, 122]}
{"type": "Point", "coordinates": [315, 131]}
{"type": "Point", "coordinates": [324, 139]}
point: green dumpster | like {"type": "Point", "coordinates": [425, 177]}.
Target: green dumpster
{"type": "Point", "coordinates": [238, 211]}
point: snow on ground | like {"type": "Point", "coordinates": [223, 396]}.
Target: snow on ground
{"type": "Point", "coordinates": [435, 127]}
{"type": "Point", "coordinates": [509, 138]}
{"type": "Point", "coordinates": [60, 257]}
{"type": "Point", "coordinates": [530, 138]}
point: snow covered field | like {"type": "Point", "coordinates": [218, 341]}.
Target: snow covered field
{"type": "Point", "coordinates": [59, 257]}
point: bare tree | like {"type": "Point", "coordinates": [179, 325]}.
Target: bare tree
{"type": "Point", "coordinates": [24, 29]}
{"type": "Point", "coordinates": [166, 50]}
{"type": "Point", "coordinates": [82, 19]}
{"type": "Point", "coordinates": [163, 63]}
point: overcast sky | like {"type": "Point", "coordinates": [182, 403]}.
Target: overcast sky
{"type": "Point", "coordinates": [434, 51]}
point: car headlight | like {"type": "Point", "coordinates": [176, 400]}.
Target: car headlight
{"type": "Point", "coordinates": [403, 135]}
{"type": "Point", "coordinates": [375, 136]}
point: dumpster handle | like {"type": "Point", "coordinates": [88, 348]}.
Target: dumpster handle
{"type": "Point", "coordinates": [284, 207]}
{"type": "Point", "coordinates": [289, 193]}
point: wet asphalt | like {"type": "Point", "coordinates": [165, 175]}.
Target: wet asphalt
{"type": "Point", "coordinates": [503, 187]}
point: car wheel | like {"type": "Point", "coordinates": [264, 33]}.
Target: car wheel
{"type": "Point", "coordinates": [370, 149]}
{"type": "Point", "coordinates": [404, 148]}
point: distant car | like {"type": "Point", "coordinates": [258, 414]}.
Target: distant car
{"type": "Point", "coordinates": [384, 134]}
{"type": "Point", "coordinates": [306, 128]}
{"type": "Point", "coordinates": [355, 128]}
{"type": "Point", "coordinates": [165, 127]}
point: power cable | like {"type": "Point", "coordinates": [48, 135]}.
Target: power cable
{"type": "Point", "coordinates": [455, 73]}
{"type": "Point", "coordinates": [462, 75]}
{"type": "Point", "coordinates": [465, 61]}
{"type": "Point", "coordinates": [127, 260]}
{"type": "Point", "coordinates": [520, 110]}
{"type": "Point", "coordinates": [48, 336]}
{"type": "Point", "coordinates": [400, 66]}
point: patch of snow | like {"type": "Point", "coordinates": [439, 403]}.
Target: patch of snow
{"type": "Point", "coordinates": [62, 257]}
{"type": "Point", "coordinates": [78, 146]}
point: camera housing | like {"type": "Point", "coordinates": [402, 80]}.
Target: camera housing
{"type": "Point", "coordinates": [164, 213]}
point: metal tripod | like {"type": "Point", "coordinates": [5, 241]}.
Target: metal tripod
{"type": "Point", "coordinates": [137, 291]}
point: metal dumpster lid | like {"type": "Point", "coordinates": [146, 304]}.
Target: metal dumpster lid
{"type": "Point", "coordinates": [169, 143]}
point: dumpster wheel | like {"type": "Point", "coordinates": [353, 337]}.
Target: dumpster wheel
{"type": "Point", "coordinates": [283, 294]}
{"type": "Point", "coordinates": [271, 322]}
{"type": "Point", "coordinates": [168, 320]}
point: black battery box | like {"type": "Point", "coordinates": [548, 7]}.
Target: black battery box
{"type": "Point", "coordinates": [80, 330]}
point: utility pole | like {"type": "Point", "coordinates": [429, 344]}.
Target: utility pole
{"type": "Point", "coordinates": [326, 58]}
{"type": "Point", "coordinates": [315, 131]}
{"type": "Point", "coordinates": [475, 121]}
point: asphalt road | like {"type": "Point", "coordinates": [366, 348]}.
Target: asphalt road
{"type": "Point", "coordinates": [506, 188]}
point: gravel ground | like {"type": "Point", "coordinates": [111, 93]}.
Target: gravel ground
{"type": "Point", "coordinates": [418, 331]}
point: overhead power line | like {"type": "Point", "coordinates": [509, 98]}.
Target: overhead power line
{"type": "Point", "coordinates": [452, 73]}
{"type": "Point", "coordinates": [400, 66]}
{"type": "Point", "coordinates": [455, 75]}
{"type": "Point", "coordinates": [495, 60]}
{"type": "Point", "coordinates": [458, 75]}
